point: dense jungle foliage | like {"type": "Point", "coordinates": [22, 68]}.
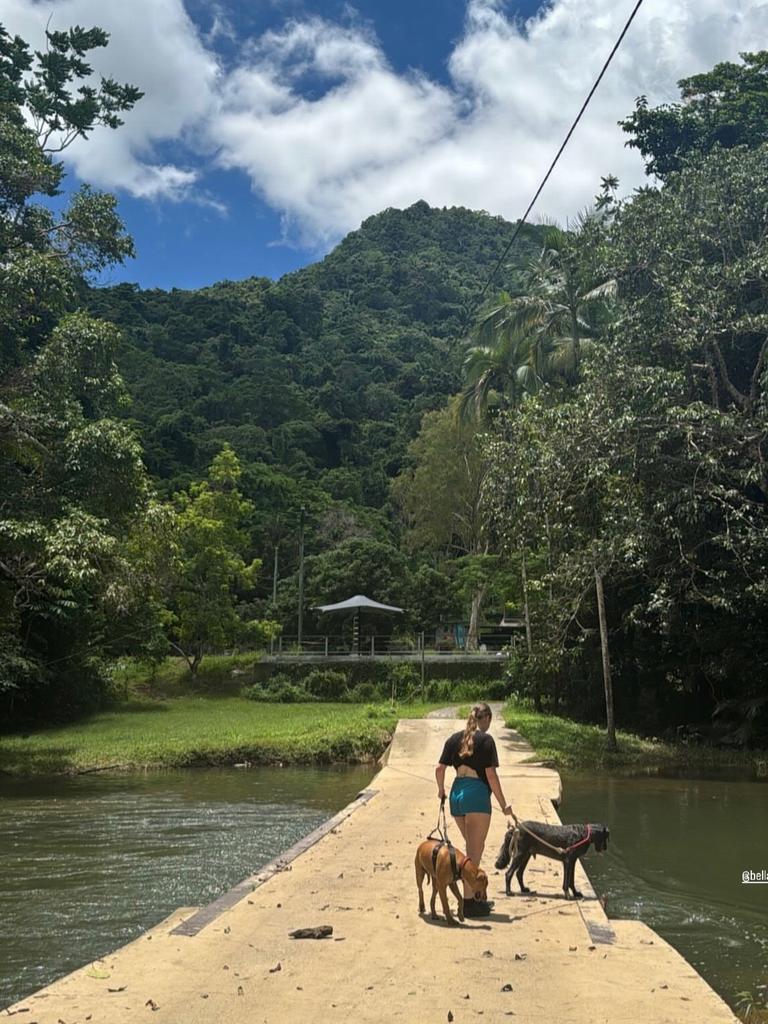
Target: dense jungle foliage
{"type": "Point", "coordinates": [319, 382]}
{"type": "Point", "coordinates": [323, 376]}
{"type": "Point", "coordinates": [585, 452]}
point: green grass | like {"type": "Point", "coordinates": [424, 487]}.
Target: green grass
{"type": "Point", "coordinates": [578, 747]}
{"type": "Point", "coordinates": [202, 730]}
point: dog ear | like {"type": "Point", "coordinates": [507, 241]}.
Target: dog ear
{"type": "Point", "coordinates": [505, 853]}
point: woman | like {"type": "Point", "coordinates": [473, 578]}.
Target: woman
{"type": "Point", "coordinates": [472, 752]}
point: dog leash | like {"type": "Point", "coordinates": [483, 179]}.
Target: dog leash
{"type": "Point", "coordinates": [560, 850]}
{"type": "Point", "coordinates": [441, 827]}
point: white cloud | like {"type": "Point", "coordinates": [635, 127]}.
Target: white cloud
{"type": "Point", "coordinates": [155, 46]}
{"type": "Point", "coordinates": [328, 132]}
{"type": "Point", "coordinates": [314, 159]}
{"type": "Point", "coordinates": [376, 138]}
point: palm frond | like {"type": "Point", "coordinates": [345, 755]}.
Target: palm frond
{"type": "Point", "coordinates": [528, 379]}
{"type": "Point", "coordinates": [606, 290]}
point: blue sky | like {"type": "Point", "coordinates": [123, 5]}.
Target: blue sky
{"type": "Point", "coordinates": [271, 128]}
{"type": "Point", "coordinates": [183, 246]}
{"type": "Point", "coordinates": [180, 245]}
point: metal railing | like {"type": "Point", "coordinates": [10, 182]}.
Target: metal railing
{"type": "Point", "coordinates": [328, 645]}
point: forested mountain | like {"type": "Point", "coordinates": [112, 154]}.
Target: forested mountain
{"type": "Point", "coordinates": [588, 446]}
{"type": "Point", "coordinates": [324, 374]}
{"type": "Point", "coordinates": [319, 382]}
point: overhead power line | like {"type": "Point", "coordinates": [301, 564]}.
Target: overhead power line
{"type": "Point", "coordinates": [565, 141]}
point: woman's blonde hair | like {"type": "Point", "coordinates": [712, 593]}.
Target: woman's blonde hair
{"type": "Point", "coordinates": [468, 739]}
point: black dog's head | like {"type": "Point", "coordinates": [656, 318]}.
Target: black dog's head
{"type": "Point", "coordinates": [600, 834]}
{"type": "Point", "coordinates": [505, 853]}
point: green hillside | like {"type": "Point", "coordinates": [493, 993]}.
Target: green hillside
{"type": "Point", "coordinates": [325, 373]}
{"type": "Point", "coordinates": [318, 381]}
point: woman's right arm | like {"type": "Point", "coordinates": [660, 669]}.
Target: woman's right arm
{"type": "Point", "coordinates": [440, 777]}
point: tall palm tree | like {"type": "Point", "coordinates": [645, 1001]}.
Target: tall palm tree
{"type": "Point", "coordinates": [523, 340]}
{"type": "Point", "coordinates": [537, 335]}
{"type": "Point", "coordinates": [502, 365]}
{"type": "Point", "coordinates": [559, 309]}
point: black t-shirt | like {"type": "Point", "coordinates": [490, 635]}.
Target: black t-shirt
{"type": "Point", "coordinates": [483, 755]}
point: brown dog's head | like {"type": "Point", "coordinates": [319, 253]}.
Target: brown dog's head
{"type": "Point", "coordinates": [476, 878]}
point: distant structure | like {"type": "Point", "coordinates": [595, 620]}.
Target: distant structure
{"type": "Point", "coordinates": [355, 604]}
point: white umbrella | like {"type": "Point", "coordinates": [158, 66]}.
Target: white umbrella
{"type": "Point", "coordinates": [358, 601]}
{"type": "Point", "coordinates": [355, 604]}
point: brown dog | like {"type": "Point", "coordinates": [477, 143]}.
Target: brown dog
{"type": "Point", "coordinates": [446, 865]}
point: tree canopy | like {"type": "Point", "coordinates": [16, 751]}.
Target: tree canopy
{"type": "Point", "coordinates": [607, 481]}
{"type": "Point", "coordinates": [726, 107]}
{"type": "Point", "coordinates": [74, 485]}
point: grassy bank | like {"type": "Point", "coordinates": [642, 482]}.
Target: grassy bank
{"type": "Point", "coordinates": [578, 747]}
{"type": "Point", "coordinates": [190, 730]}
{"type": "Point", "coordinates": [218, 674]}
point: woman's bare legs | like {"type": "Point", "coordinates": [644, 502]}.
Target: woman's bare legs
{"type": "Point", "coordinates": [474, 828]}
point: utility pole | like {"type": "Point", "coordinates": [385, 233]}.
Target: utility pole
{"type": "Point", "coordinates": [423, 673]}
{"type": "Point", "coordinates": [301, 576]}
{"type": "Point", "coordinates": [274, 595]}
{"type": "Point", "coordinates": [607, 682]}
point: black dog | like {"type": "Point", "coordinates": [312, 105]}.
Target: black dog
{"type": "Point", "coordinates": [520, 844]}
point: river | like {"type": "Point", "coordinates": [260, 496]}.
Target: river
{"type": "Point", "coordinates": [88, 863]}
{"type": "Point", "coordinates": [677, 851]}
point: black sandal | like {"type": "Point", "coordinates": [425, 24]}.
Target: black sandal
{"type": "Point", "coordinates": [476, 908]}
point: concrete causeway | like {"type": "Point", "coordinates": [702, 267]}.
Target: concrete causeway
{"type": "Point", "coordinates": [536, 959]}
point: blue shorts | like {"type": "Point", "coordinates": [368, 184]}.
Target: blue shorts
{"type": "Point", "coordinates": [470, 796]}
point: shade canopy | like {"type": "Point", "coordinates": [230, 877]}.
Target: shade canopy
{"type": "Point", "coordinates": [358, 601]}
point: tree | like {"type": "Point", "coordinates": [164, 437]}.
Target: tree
{"type": "Point", "coordinates": [502, 365]}
{"type": "Point", "coordinates": [654, 536]}
{"type": "Point", "coordinates": [561, 306]}
{"type": "Point", "coordinates": [74, 484]}
{"type": "Point", "coordinates": [566, 468]}
{"type": "Point", "coordinates": [536, 333]}
{"type": "Point", "coordinates": [210, 566]}
{"type": "Point", "coordinates": [725, 107]}
{"type": "Point", "coordinates": [441, 496]}
{"type": "Point", "coordinates": [358, 565]}
{"type": "Point", "coordinates": [40, 115]}
{"type": "Point", "coordinates": [689, 258]}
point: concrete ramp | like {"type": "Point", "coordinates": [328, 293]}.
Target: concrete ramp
{"type": "Point", "coordinates": [536, 959]}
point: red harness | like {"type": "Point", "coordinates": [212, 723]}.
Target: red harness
{"type": "Point", "coordinates": [581, 842]}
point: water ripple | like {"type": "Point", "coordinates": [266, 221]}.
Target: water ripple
{"type": "Point", "coordinates": [87, 864]}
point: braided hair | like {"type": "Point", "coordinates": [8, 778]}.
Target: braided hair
{"type": "Point", "coordinates": [467, 747]}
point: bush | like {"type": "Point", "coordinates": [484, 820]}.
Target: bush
{"type": "Point", "coordinates": [449, 692]}
{"type": "Point", "coordinates": [326, 684]}
{"type": "Point", "coordinates": [439, 690]}
{"type": "Point", "coordinates": [403, 678]}
{"type": "Point", "coordinates": [379, 672]}
{"type": "Point", "coordinates": [369, 681]}
{"type": "Point", "coordinates": [278, 690]}
{"type": "Point", "coordinates": [365, 693]}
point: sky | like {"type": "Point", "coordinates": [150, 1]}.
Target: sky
{"type": "Point", "coordinates": [271, 128]}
